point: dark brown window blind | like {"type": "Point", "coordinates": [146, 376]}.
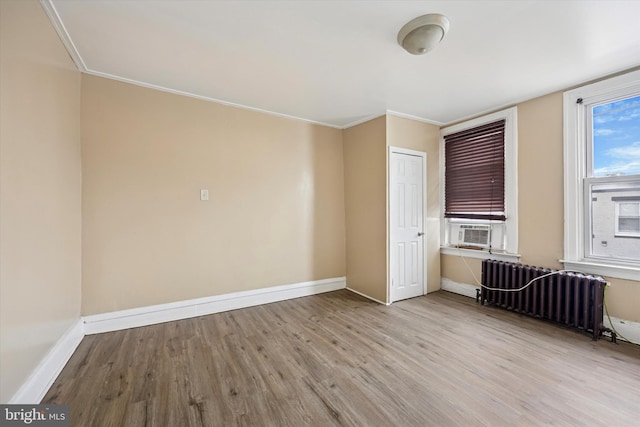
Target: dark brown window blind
{"type": "Point", "coordinates": [474, 173]}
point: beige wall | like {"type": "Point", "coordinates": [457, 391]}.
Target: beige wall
{"type": "Point", "coordinates": [540, 181]}
{"type": "Point", "coordinates": [540, 203]}
{"type": "Point", "coordinates": [365, 186]}
{"type": "Point", "coordinates": [414, 135]}
{"type": "Point", "coordinates": [454, 268]}
{"type": "Point", "coordinates": [40, 184]}
{"type": "Point", "coordinates": [275, 214]}
{"type": "Point", "coordinates": [623, 299]}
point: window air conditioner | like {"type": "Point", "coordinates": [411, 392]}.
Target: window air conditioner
{"type": "Point", "coordinates": [474, 235]}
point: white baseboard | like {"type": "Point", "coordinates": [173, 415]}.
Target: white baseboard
{"type": "Point", "coordinates": [458, 288]}
{"type": "Point", "coordinates": [43, 376]}
{"type": "Point", "coordinates": [630, 330]}
{"type": "Point", "coordinates": [150, 315]}
{"type": "Point", "coordinates": [367, 296]}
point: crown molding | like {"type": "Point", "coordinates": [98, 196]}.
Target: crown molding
{"type": "Point", "coordinates": [52, 13]}
{"type": "Point", "coordinates": [206, 98]}
{"type": "Point", "coordinates": [60, 28]}
{"type": "Point", "coordinates": [362, 120]}
{"type": "Point", "coordinates": [416, 118]}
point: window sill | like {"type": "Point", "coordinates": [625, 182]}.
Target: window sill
{"type": "Point", "coordinates": [479, 254]}
{"type": "Point", "coordinates": [607, 270]}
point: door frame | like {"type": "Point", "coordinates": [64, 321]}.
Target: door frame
{"type": "Point", "coordinates": [423, 156]}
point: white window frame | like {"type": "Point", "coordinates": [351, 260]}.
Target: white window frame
{"type": "Point", "coordinates": [577, 168]}
{"type": "Point", "coordinates": [510, 115]}
{"type": "Point", "coordinates": [619, 233]}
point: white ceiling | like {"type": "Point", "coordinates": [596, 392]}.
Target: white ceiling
{"type": "Point", "coordinates": [338, 62]}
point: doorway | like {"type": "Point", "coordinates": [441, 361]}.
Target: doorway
{"type": "Point", "coordinates": [407, 184]}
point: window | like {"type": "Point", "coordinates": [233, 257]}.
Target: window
{"type": "Point", "coordinates": [478, 169]}
{"type": "Point", "coordinates": [628, 219]}
{"type": "Point", "coordinates": [474, 173]}
{"type": "Point", "coordinates": [602, 177]}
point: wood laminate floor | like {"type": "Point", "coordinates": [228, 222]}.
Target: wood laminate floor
{"type": "Point", "coordinates": [339, 359]}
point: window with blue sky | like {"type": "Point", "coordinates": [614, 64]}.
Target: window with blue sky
{"type": "Point", "coordinates": [616, 138]}
{"type": "Point", "coordinates": [615, 200]}
{"type": "Point", "coordinates": [602, 197]}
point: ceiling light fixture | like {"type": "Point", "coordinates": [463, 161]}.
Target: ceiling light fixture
{"type": "Point", "coordinates": [422, 34]}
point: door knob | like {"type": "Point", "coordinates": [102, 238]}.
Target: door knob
{"type": "Point", "coordinates": [420, 233]}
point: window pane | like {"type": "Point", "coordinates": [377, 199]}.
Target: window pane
{"type": "Point", "coordinates": [629, 225]}
{"type": "Point", "coordinates": [616, 138]}
{"type": "Point", "coordinates": [629, 209]}
{"type": "Point", "coordinates": [614, 222]}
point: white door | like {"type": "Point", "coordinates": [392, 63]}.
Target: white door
{"type": "Point", "coordinates": [406, 229]}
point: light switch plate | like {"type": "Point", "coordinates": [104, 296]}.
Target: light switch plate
{"type": "Point", "coordinates": [204, 194]}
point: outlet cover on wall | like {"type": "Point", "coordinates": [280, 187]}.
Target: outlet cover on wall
{"type": "Point", "coordinates": [204, 194]}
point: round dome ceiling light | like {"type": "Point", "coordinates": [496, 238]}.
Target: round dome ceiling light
{"type": "Point", "coordinates": [422, 34]}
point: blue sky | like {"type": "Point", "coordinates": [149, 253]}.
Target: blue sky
{"type": "Point", "coordinates": [616, 138]}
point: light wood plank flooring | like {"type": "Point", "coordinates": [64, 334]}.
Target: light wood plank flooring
{"type": "Point", "coordinates": [339, 359]}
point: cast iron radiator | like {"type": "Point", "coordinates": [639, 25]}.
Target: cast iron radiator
{"type": "Point", "coordinates": [571, 299]}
